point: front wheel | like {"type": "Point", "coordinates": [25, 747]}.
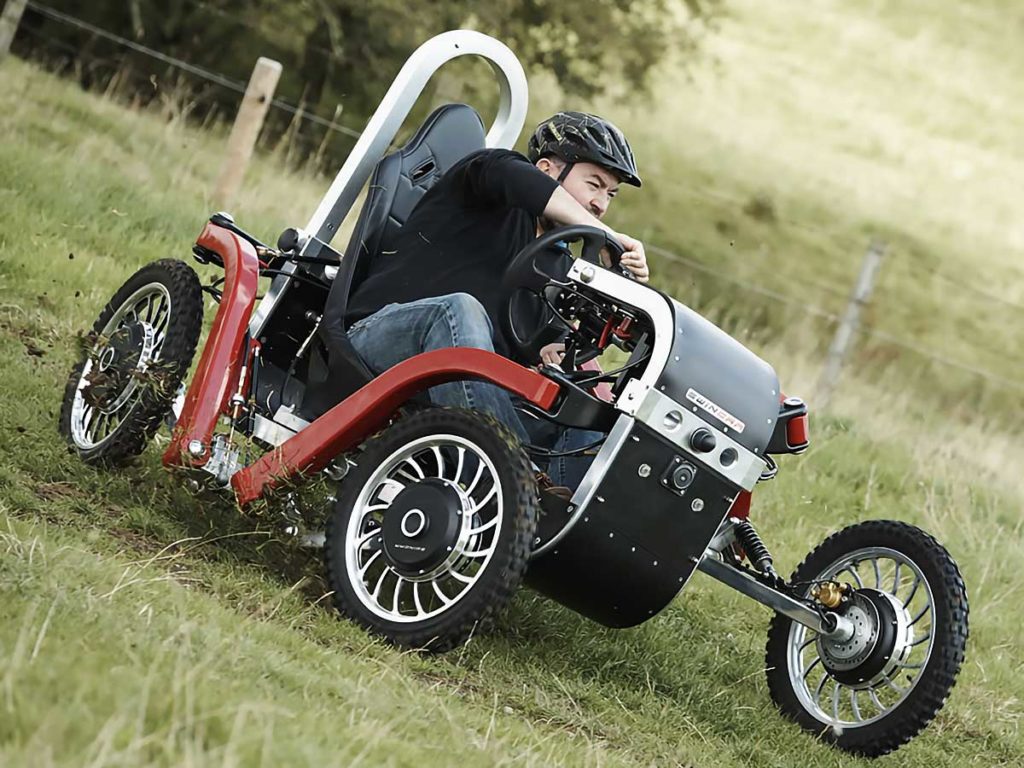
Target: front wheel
{"type": "Point", "coordinates": [432, 529]}
{"type": "Point", "coordinates": [138, 352]}
{"type": "Point", "coordinates": [872, 692]}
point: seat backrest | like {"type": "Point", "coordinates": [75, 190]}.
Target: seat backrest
{"type": "Point", "coordinates": [449, 134]}
{"type": "Point", "coordinates": [399, 181]}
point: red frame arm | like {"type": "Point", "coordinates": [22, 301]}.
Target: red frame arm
{"type": "Point", "coordinates": [221, 361]}
{"type": "Point", "coordinates": [367, 410]}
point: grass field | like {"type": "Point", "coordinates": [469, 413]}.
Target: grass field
{"type": "Point", "coordinates": [140, 625]}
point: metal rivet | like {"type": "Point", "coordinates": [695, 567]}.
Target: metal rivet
{"type": "Point", "coordinates": [697, 505]}
{"type": "Point", "coordinates": [644, 470]}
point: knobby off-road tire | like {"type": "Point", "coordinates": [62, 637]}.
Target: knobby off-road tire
{"type": "Point", "coordinates": [132, 364]}
{"type": "Point", "coordinates": [431, 532]}
{"type": "Point", "coordinates": [878, 558]}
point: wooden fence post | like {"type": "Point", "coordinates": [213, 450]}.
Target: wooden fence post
{"type": "Point", "coordinates": [9, 21]}
{"type": "Point", "coordinates": [848, 324]}
{"type": "Point", "coordinates": [245, 131]}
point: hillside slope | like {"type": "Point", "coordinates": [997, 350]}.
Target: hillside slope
{"type": "Point", "coordinates": [142, 626]}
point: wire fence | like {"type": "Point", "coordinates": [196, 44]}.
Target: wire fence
{"type": "Point", "coordinates": [746, 283]}
{"type": "Point", "coordinates": [200, 72]}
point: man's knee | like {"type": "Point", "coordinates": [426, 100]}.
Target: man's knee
{"type": "Point", "coordinates": [471, 327]}
{"type": "Point", "coordinates": [469, 308]}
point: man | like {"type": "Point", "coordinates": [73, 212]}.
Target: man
{"type": "Point", "coordinates": [440, 287]}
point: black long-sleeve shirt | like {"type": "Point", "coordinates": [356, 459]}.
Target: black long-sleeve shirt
{"type": "Point", "coordinates": [460, 236]}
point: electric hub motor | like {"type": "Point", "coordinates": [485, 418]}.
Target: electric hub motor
{"type": "Point", "coordinates": [426, 528]}
{"type": "Point", "coordinates": [881, 640]}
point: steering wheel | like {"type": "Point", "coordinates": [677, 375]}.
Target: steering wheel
{"type": "Point", "coordinates": [525, 273]}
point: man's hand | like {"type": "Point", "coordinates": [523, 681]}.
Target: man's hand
{"type": "Point", "coordinates": [552, 354]}
{"type": "Point", "coordinates": [564, 209]}
{"type": "Point", "coordinates": [634, 259]}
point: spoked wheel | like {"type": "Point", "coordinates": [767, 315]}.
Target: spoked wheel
{"type": "Point", "coordinates": [875, 690]}
{"type": "Point", "coordinates": [431, 532]}
{"type": "Point", "coordinates": [141, 347]}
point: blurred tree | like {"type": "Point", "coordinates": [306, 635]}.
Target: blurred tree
{"type": "Point", "coordinates": [346, 52]}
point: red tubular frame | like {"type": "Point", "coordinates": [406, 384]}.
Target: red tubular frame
{"type": "Point", "coordinates": [219, 366]}
{"type": "Point", "coordinates": [740, 508]}
{"type": "Point", "coordinates": [369, 409]}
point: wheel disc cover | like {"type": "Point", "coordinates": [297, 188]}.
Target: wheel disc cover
{"type": "Point", "coordinates": [424, 526]}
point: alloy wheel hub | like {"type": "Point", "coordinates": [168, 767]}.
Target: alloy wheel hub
{"type": "Point", "coordinates": [423, 527]}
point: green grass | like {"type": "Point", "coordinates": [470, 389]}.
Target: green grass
{"type": "Point", "coordinates": [852, 122]}
{"type": "Point", "coordinates": [140, 625]}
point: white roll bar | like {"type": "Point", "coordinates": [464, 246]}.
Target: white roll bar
{"type": "Point", "coordinates": [398, 101]}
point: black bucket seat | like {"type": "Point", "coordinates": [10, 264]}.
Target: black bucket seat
{"type": "Point", "coordinates": [398, 182]}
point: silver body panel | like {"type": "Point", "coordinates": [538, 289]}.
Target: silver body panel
{"type": "Point", "coordinates": [677, 424]}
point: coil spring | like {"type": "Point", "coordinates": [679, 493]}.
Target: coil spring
{"type": "Point", "coordinates": [755, 549]}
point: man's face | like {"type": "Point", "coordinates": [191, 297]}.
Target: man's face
{"type": "Point", "coordinates": [592, 186]}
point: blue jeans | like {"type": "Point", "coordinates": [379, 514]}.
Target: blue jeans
{"type": "Point", "coordinates": [399, 331]}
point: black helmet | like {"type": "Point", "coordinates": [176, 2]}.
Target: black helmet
{"type": "Point", "coordinates": [577, 137]}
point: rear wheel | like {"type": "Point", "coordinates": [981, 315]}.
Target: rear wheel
{"type": "Point", "coordinates": [431, 532]}
{"type": "Point", "coordinates": [874, 691]}
{"type": "Point", "coordinates": [136, 356]}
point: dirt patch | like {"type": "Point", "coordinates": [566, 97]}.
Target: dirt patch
{"type": "Point", "coordinates": [58, 491]}
{"type": "Point", "coordinates": [137, 542]}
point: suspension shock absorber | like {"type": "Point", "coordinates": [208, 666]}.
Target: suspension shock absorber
{"type": "Point", "coordinates": [755, 549]}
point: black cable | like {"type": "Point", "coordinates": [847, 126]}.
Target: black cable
{"type": "Point", "coordinates": [536, 450]}
{"type": "Point", "coordinates": [602, 376]}
{"type": "Point", "coordinates": [296, 276]}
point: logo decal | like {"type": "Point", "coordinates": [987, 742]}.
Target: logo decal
{"type": "Point", "coordinates": [409, 546]}
{"type": "Point", "coordinates": [717, 411]}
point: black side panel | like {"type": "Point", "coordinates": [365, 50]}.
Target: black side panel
{"type": "Point", "coordinates": [637, 541]}
{"type": "Point", "coordinates": [722, 373]}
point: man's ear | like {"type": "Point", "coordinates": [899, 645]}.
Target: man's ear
{"type": "Point", "coordinates": [548, 166]}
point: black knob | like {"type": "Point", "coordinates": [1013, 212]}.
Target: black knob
{"type": "Point", "coordinates": [288, 240]}
{"type": "Point", "coordinates": [702, 440]}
